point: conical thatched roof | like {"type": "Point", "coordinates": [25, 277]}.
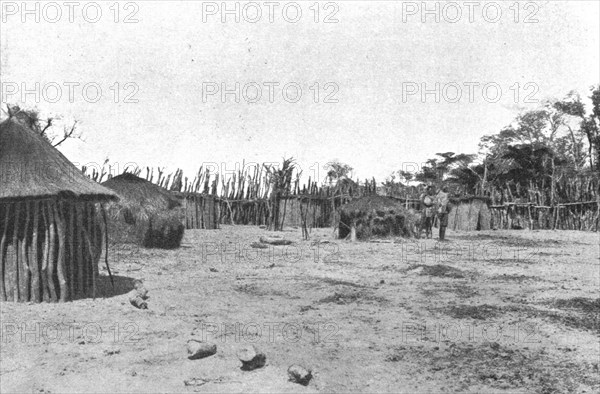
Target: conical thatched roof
{"type": "Point", "coordinates": [147, 214]}
{"type": "Point", "coordinates": [135, 191]}
{"type": "Point", "coordinates": [32, 168]}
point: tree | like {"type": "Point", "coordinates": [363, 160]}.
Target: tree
{"type": "Point", "coordinates": [407, 176]}
{"type": "Point", "coordinates": [336, 171]}
{"type": "Point", "coordinates": [46, 128]}
{"type": "Point", "coordinates": [569, 114]}
{"type": "Point", "coordinates": [428, 172]}
{"type": "Point", "coordinates": [449, 167]}
{"type": "Point", "coordinates": [280, 181]}
{"type": "Point", "coordinates": [590, 125]}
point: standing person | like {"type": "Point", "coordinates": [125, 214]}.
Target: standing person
{"type": "Point", "coordinates": [443, 207]}
{"type": "Point", "coordinates": [427, 211]}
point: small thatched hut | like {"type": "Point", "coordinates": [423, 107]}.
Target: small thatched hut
{"type": "Point", "coordinates": [376, 216]}
{"type": "Point", "coordinates": [469, 214]}
{"type": "Point", "coordinates": [147, 214]}
{"type": "Point", "coordinates": [51, 220]}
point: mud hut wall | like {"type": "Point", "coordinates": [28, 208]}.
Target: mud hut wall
{"type": "Point", "coordinates": [49, 250]}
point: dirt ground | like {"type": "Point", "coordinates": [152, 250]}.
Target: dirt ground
{"type": "Point", "coordinates": [494, 311]}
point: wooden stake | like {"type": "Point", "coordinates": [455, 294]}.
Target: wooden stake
{"type": "Point", "coordinates": [82, 269]}
{"type": "Point", "coordinates": [46, 252]}
{"type": "Point", "coordinates": [61, 263]}
{"type": "Point", "coordinates": [26, 273]}
{"type": "Point", "coordinates": [15, 244]}
{"type": "Point", "coordinates": [91, 234]}
{"type": "Point", "coordinates": [74, 285]}
{"type": "Point", "coordinates": [34, 262]}
{"type": "Point", "coordinates": [51, 253]}
{"type": "Point", "coordinates": [112, 282]}
{"type": "Point", "coordinates": [2, 251]}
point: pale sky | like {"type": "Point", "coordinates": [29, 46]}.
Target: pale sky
{"type": "Point", "coordinates": [371, 54]}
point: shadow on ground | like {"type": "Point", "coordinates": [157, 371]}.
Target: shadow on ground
{"type": "Point", "coordinates": [105, 289]}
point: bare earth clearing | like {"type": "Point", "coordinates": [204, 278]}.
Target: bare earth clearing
{"type": "Point", "coordinates": [496, 311]}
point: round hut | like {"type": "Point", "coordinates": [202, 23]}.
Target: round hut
{"type": "Point", "coordinates": [146, 214]}
{"type": "Point", "coordinates": [376, 216]}
{"type": "Point", "coordinates": [51, 221]}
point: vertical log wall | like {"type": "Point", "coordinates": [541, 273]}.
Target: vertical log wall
{"type": "Point", "coordinates": [49, 250]}
{"type": "Point", "coordinates": [201, 211]}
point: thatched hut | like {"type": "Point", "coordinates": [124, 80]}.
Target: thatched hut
{"type": "Point", "coordinates": [376, 216]}
{"type": "Point", "coordinates": [470, 213]}
{"type": "Point", "coordinates": [51, 220]}
{"type": "Point", "coordinates": [146, 214]}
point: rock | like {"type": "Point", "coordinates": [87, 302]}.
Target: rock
{"type": "Point", "coordinates": [381, 282]}
{"type": "Point", "coordinates": [199, 349]}
{"type": "Point", "coordinates": [138, 285]}
{"type": "Point", "coordinates": [299, 374]}
{"type": "Point", "coordinates": [195, 382]}
{"type": "Point", "coordinates": [139, 295]}
{"type": "Point", "coordinates": [212, 269]}
{"type": "Point", "coordinates": [251, 358]}
{"type": "Point", "coordinates": [136, 300]}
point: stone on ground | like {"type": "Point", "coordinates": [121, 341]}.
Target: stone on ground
{"type": "Point", "coordinates": [251, 358]}
{"type": "Point", "coordinates": [299, 374]}
{"type": "Point", "coordinates": [200, 349]}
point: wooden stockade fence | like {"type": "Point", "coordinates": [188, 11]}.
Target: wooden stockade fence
{"type": "Point", "coordinates": [201, 210]}
{"type": "Point", "coordinates": [565, 216]}
{"type": "Point", "coordinates": [249, 197]}
{"type": "Point", "coordinates": [572, 203]}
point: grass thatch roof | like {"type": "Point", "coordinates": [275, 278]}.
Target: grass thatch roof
{"type": "Point", "coordinates": [31, 168]}
{"type": "Point", "coordinates": [135, 191]}
{"type": "Point", "coordinates": [372, 203]}
{"type": "Point", "coordinates": [147, 214]}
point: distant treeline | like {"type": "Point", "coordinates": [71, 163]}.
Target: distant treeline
{"type": "Point", "coordinates": [546, 156]}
